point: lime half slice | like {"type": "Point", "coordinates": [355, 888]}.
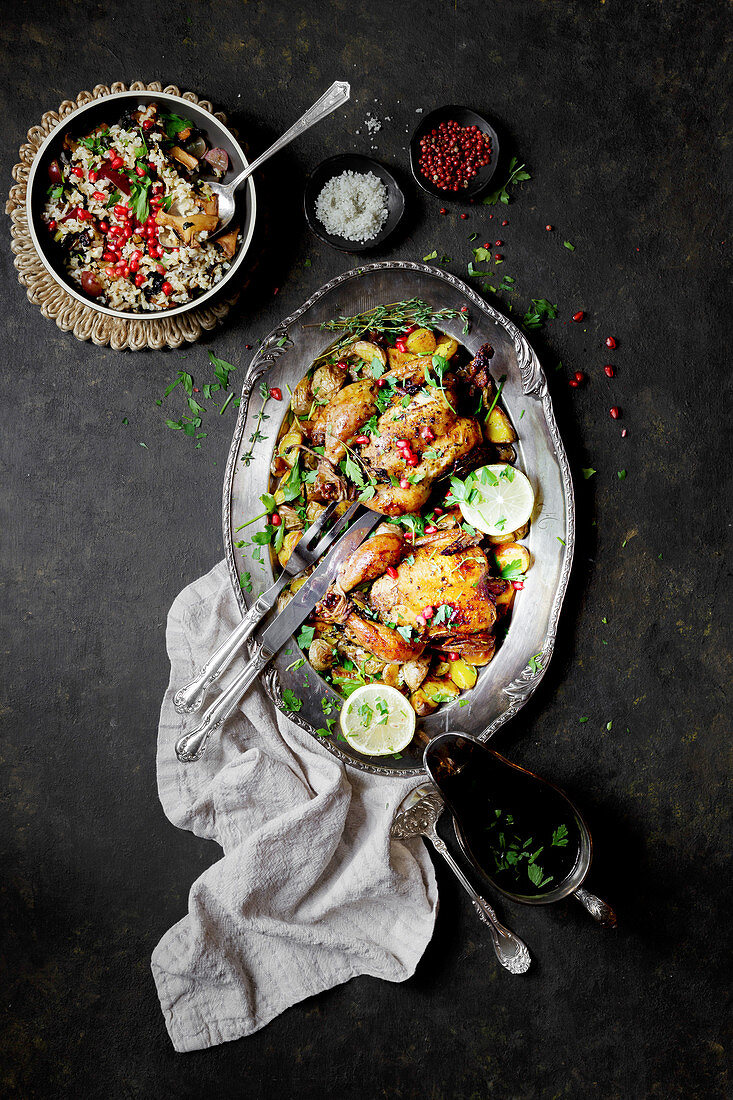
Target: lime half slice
{"type": "Point", "coordinates": [377, 720]}
{"type": "Point", "coordinates": [502, 502]}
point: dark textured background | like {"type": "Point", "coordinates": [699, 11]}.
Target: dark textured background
{"type": "Point", "coordinates": [618, 109]}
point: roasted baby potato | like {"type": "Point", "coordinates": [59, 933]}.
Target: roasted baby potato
{"type": "Point", "coordinates": [499, 428]}
{"type": "Point", "coordinates": [508, 552]}
{"type": "Point", "coordinates": [421, 342]}
{"type": "Point", "coordinates": [440, 691]}
{"type": "Point", "coordinates": [462, 674]}
{"type": "Point", "coordinates": [288, 546]}
{"type": "Point", "coordinates": [446, 346]}
{"type": "Point", "coordinates": [368, 351]}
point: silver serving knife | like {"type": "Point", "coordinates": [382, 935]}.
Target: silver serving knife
{"type": "Point", "coordinates": [192, 745]}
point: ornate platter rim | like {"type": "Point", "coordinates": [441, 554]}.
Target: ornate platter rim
{"type": "Point", "coordinates": [534, 384]}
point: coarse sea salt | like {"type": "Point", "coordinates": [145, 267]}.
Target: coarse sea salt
{"type": "Point", "coordinates": [353, 205]}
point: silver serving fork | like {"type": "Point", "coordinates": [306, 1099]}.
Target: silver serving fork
{"type": "Point", "coordinates": [309, 548]}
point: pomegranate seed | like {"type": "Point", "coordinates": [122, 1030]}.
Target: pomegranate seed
{"type": "Point", "coordinates": [498, 256]}
{"type": "Point", "coordinates": [167, 288]}
{"type": "Point", "coordinates": [104, 227]}
{"type": "Point", "coordinates": [380, 382]}
{"type": "Point", "coordinates": [139, 279]}
{"type": "Point", "coordinates": [505, 223]}
{"type": "Point", "coordinates": [401, 443]}
{"type": "Point", "coordinates": [78, 171]}
{"type": "Point", "coordinates": [464, 309]}
{"type": "Point", "coordinates": [517, 585]}
{"type": "Point", "coordinates": [361, 439]}
{"type": "Point", "coordinates": [158, 188]}
{"type": "Point", "coordinates": [134, 265]}
{"type": "Point", "coordinates": [498, 243]}
{"type": "Point", "coordinates": [579, 315]}
{"type": "Point", "coordinates": [453, 656]}
{"type": "Point", "coordinates": [608, 369]}
{"type": "Point", "coordinates": [573, 382]}
{"type": "Point", "coordinates": [615, 412]}
{"type": "Point", "coordinates": [52, 224]}
{"type": "Point", "coordinates": [121, 211]}
{"type": "Point", "coordinates": [99, 196]}
{"type": "Point", "coordinates": [428, 612]}
{"type": "Point", "coordinates": [443, 210]}
{"type": "Point", "coordinates": [153, 252]}
{"type": "Point", "coordinates": [139, 170]}
{"type": "Point", "coordinates": [152, 165]}
{"type": "Point", "coordinates": [126, 271]}
{"type": "Point", "coordinates": [93, 176]}
{"type": "Point", "coordinates": [428, 435]}
{"type": "Point", "coordinates": [109, 256]}
{"type": "Point", "coordinates": [464, 216]}
{"type": "Point", "coordinates": [412, 460]}
{"type": "Point", "coordinates": [438, 511]}
{"type": "Point", "coordinates": [404, 484]}
{"type": "Point", "coordinates": [579, 376]}
{"type": "Point", "coordinates": [276, 393]}
{"type": "Point", "coordinates": [624, 433]}
{"type": "Point", "coordinates": [275, 519]}
{"type": "Point", "coordinates": [548, 228]}
{"type": "Point", "coordinates": [148, 124]}
{"type": "Point", "coordinates": [116, 162]}
{"type": "Point", "coordinates": [610, 342]}
{"type": "Point", "coordinates": [392, 572]}
{"type": "Point", "coordinates": [430, 530]}
{"type": "Point", "coordinates": [400, 344]}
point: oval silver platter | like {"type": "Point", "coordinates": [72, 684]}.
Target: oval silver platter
{"type": "Point", "coordinates": [284, 357]}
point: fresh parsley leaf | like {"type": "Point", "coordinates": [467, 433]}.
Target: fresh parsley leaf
{"type": "Point", "coordinates": [517, 174]}
{"type": "Point", "coordinates": [291, 702]}
{"type": "Point", "coordinates": [569, 245]}
{"type": "Point", "coordinates": [560, 837]}
{"type": "Point", "coordinates": [588, 472]}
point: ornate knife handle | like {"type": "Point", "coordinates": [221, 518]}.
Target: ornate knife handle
{"type": "Point", "coordinates": [511, 952]}
{"type": "Point", "coordinates": [332, 99]}
{"type": "Point", "coordinates": [599, 909]}
{"type": "Point", "coordinates": [188, 699]}
{"type": "Point", "coordinates": [192, 746]}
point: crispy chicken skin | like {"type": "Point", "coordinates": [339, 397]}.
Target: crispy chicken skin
{"type": "Point", "coordinates": [435, 434]}
{"type": "Point", "coordinates": [342, 417]}
{"type": "Point", "coordinates": [370, 560]}
{"type": "Point", "coordinates": [433, 578]}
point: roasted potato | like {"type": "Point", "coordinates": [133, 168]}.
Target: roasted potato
{"type": "Point", "coordinates": [462, 674]}
{"type": "Point", "coordinates": [508, 552]}
{"type": "Point", "coordinates": [446, 346]}
{"type": "Point", "coordinates": [504, 601]}
{"type": "Point", "coordinates": [505, 453]}
{"type": "Point", "coordinates": [302, 398]}
{"type": "Point", "coordinates": [288, 545]}
{"type": "Point", "coordinates": [440, 691]}
{"type": "Point", "coordinates": [499, 428]}
{"type": "Point", "coordinates": [421, 342]}
{"type": "Point", "coordinates": [327, 381]}
{"type": "Point", "coordinates": [421, 704]}
{"type": "Point", "coordinates": [367, 351]}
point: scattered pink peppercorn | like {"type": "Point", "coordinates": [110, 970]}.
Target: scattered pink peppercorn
{"type": "Point", "coordinates": [615, 412]}
{"type": "Point", "coordinates": [498, 243]}
{"type": "Point", "coordinates": [548, 228]}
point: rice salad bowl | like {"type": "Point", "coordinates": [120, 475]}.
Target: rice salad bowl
{"type": "Point", "coordinates": [128, 211]}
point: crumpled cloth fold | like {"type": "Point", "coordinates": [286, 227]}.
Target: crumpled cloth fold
{"type": "Point", "coordinates": [310, 891]}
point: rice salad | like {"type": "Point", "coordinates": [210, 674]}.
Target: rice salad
{"type": "Point", "coordinates": [130, 214]}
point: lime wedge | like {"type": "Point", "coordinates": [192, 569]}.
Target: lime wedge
{"type": "Point", "coordinates": [502, 500]}
{"type": "Point", "coordinates": [377, 720]}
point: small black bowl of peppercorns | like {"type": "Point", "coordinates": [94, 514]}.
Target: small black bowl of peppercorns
{"type": "Point", "coordinates": [454, 153]}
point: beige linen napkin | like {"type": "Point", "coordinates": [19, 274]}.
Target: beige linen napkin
{"type": "Point", "coordinates": [310, 891]}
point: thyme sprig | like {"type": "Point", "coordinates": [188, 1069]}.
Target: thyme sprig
{"type": "Point", "coordinates": [391, 319]}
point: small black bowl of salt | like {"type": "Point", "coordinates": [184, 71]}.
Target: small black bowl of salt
{"type": "Point", "coordinates": [352, 202]}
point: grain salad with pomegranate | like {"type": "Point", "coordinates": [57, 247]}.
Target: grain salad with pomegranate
{"type": "Point", "coordinates": [130, 211]}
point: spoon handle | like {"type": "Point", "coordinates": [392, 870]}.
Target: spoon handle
{"type": "Point", "coordinates": [511, 952]}
{"type": "Point", "coordinates": [599, 909]}
{"type": "Point", "coordinates": [330, 101]}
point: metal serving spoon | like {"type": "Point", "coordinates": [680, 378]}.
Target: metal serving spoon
{"type": "Point", "coordinates": [335, 97]}
{"type": "Point", "coordinates": [419, 819]}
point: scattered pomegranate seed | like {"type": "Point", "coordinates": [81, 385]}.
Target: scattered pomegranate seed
{"type": "Point", "coordinates": [121, 211]}
{"type": "Point", "coordinates": [420, 620]}
{"type": "Point", "coordinates": [400, 344]}
{"type": "Point", "coordinates": [404, 484]}
{"type": "Point", "coordinates": [464, 216]}
{"type": "Point", "coordinates": [276, 393]}
{"type": "Point", "coordinates": [548, 228]}
{"type": "Point", "coordinates": [275, 519]}
{"type": "Point", "coordinates": [428, 612]}
{"type": "Point", "coordinates": [443, 210]}
{"type": "Point", "coordinates": [505, 223]}
{"type": "Point", "coordinates": [52, 224]}
{"type": "Point", "coordinates": [400, 443]}
{"type": "Point", "coordinates": [464, 309]}
{"type": "Point", "coordinates": [608, 369]}
{"type": "Point", "coordinates": [453, 656]}
{"type": "Point", "coordinates": [104, 227]}
{"type": "Point", "coordinates": [392, 572]}
{"type": "Point", "coordinates": [498, 256]}
{"type": "Point", "coordinates": [610, 342]}
{"type": "Point", "coordinates": [78, 171]}
{"type": "Point", "coordinates": [139, 170]}
{"type": "Point", "coordinates": [427, 434]}
{"type": "Point", "coordinates": [99, 196]}
{"type": "Point", "coordinates": [148, 124]}
{"type": "Point", "coordinates": [615, 412]}
{"type": "Point", "coordinates": [361, 440]}
{"type": "Point", "coordinates": [624, 433]}
{"type": "Point", "coordinates": [430, 530]}
{"type": "Point", "coordinates": [438, 511]}
{"type": "Point", "coordinates": [498, 243]}
{"type": "Point", "coordinates": [573, 382]}
{"type": "Point", "coordinates": [139, 279]}
{"type": "Point", "coordinates": [167, 289]}
{"type": "Point", "coordinates": [517, 585]}
{"type": "Point", "coordinates": [579, 315]}
{"type": "Point", "coordinates": [380, 382]}
{"type": "Point", "coordinates": [579, 376]}
{"type": "Point", "coordinates": [411, 460]}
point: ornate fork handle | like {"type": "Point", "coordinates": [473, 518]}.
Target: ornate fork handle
{"type": "Point", "coordinates": [511, 952]}
{"type": "Point", "coordinates": [192, 746]}
{"type": "Point", "coordinates": [599, 909]}
{"type": "Point", "coordinates": [189, 698]}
